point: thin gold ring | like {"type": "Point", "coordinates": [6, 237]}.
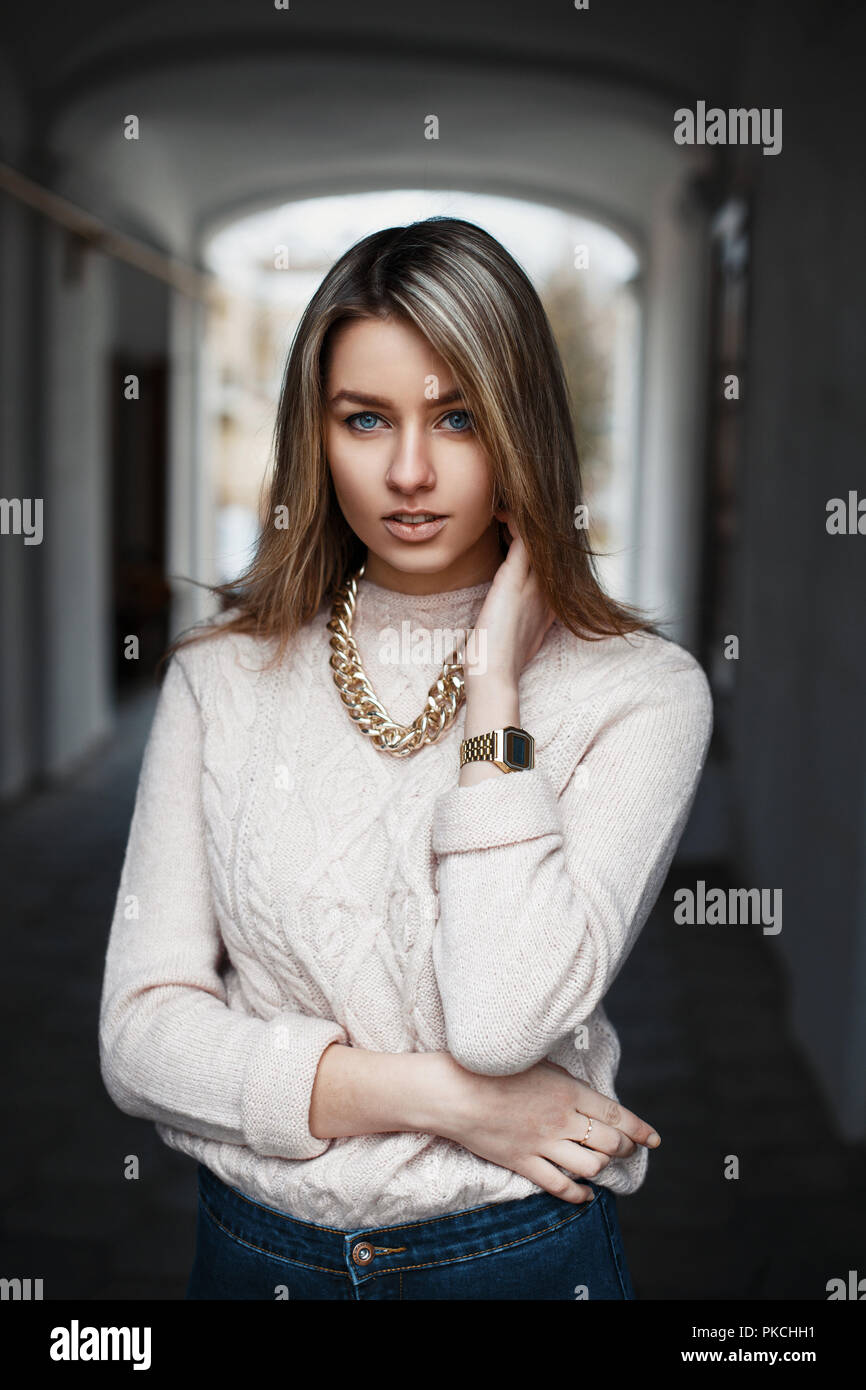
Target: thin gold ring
{"type": "Point", "coordinates": [588, 1130]}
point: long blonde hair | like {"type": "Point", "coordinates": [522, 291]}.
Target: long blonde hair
{"type": "Point", "coordinates": [472, 301]}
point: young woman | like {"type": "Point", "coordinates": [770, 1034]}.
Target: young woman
{"type": "Point", "coordinates": [405, 806]}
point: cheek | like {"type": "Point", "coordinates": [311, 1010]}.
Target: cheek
{"type": "Point", "coordinates": [476, 480]}
{"type": "Point", "coordinates": [334, 452]}
{"type": "Point", "coordinates": [347, 475]}
{"type": "Point", "coordinates": [339, 458]}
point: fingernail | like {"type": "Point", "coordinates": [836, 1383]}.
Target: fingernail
{"type": "Point", "coordinates": [653, 1141]}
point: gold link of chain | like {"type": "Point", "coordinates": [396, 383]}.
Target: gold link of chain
{"type": "Point", "coordinates": [444, 698]}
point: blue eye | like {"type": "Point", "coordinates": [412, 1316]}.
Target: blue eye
{"type": "Point", "coordinates": [365, 421]}
{"type": "Point", "coordinates": [363, 415]}
{"type": "Point", "coordinates": [460, 414]}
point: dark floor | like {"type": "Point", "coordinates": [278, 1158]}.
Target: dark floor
{"type": "Point", "coordinates": [706, 1058]}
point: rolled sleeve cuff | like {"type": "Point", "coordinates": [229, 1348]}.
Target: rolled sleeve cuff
{"type": "Point", "coordinates": [498, 811]}
{"type": "Point", "coordinates": [278, 1086]}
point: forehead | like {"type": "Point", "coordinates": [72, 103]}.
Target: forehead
{"type": "Point", "coordinates": [367, 350]}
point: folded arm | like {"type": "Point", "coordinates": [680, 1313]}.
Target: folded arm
{"type": "Point", "coordinates": [541, 897]}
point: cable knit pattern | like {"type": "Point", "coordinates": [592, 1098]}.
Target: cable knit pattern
{"type": "Point", "coordinates": [287, 885]}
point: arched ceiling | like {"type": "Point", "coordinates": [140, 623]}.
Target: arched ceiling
{"type": "Point", "coordinates": [240, 108]}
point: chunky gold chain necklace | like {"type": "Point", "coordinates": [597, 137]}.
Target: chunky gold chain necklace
{"type": "Point", "coordinates": [444, 699]}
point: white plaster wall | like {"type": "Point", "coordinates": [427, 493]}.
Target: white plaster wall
{"type": "Point", "coordinates": [72, 395]}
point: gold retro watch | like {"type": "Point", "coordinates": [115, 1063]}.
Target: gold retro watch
{"type": "Point", "coordinates": [511, 749]}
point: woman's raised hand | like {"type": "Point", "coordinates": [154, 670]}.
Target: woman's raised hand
{"type": "Point", "coordinates": [514, 617]}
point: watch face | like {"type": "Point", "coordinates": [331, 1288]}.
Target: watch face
{"type": "Point", "coordinates": [517, 749]}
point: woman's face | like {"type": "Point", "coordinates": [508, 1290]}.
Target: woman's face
{"type": "Point", "coordinates": [399, 438]}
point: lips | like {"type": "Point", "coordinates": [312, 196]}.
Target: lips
{"type": "Point", "coordinates": [414, 530]}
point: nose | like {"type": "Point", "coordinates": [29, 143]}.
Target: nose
{"type": "Point", "coordinates": [411, 464]}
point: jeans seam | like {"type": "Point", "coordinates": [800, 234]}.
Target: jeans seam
{"type": "Point", "coordinates": [262, 1250]}
{"type": "Point", "coordinates": [428, 1264]}
{"type": "Point", "coordinates": [613, 1251]}
{"type": "Point", "coordinates": [479, 1254]}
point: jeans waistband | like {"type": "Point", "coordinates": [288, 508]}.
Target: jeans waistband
{"type": "Point", "coordinates": [475, 1230]}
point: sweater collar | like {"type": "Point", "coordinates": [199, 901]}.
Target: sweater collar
{"type": "Point", "coordinates": [379, 607]}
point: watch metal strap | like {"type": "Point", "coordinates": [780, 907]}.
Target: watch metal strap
{"type": "Point", "coordinates": [511, 749]}
{"type": "Point", "coordinates": [481, 748]}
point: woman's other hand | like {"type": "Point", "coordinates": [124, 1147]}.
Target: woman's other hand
{"type": "Point", "coordinates": [533, 1123]}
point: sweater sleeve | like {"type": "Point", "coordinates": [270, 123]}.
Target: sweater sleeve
{"type": "Point", "coordinates": [171, 1050]}
{"type": "Point", "coordinates": [541, 897]}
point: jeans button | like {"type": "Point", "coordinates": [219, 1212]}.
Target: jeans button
{"type": "Point", "coordinates": [362, 1253]}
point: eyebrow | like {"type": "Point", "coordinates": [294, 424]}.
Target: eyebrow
{"type": "Point", "coordinates": [365, 399]}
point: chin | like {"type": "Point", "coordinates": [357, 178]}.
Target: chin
{"type": "Point", "coordinates": [418, 564]}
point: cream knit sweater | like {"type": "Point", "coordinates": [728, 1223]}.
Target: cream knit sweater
{"type": "Point", "coordinates": [286, 885]}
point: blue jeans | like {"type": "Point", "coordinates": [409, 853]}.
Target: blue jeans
{"type": "Point", "coordinates": [538, 1247]}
